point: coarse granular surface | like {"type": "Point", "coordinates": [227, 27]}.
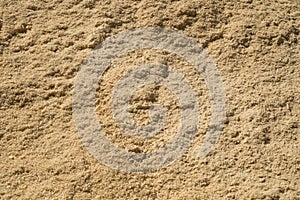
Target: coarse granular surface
{"type": "Point", "coordinates": [255, 46]}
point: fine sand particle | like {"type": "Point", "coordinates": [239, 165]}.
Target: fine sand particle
{"type": "Point", "coordinates": [255, 46]}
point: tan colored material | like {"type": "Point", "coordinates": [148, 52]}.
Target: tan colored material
{"type": "Point", "coordinates": [255, 45]}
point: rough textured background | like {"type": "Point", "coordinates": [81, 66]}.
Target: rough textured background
{"type": "Point", "coordinates": [255, 45]}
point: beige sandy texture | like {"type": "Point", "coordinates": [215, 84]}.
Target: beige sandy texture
{"type": "Point", "coordinates": [147, 96]}
{"type": "Point", "coordinates": [255, 45]}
